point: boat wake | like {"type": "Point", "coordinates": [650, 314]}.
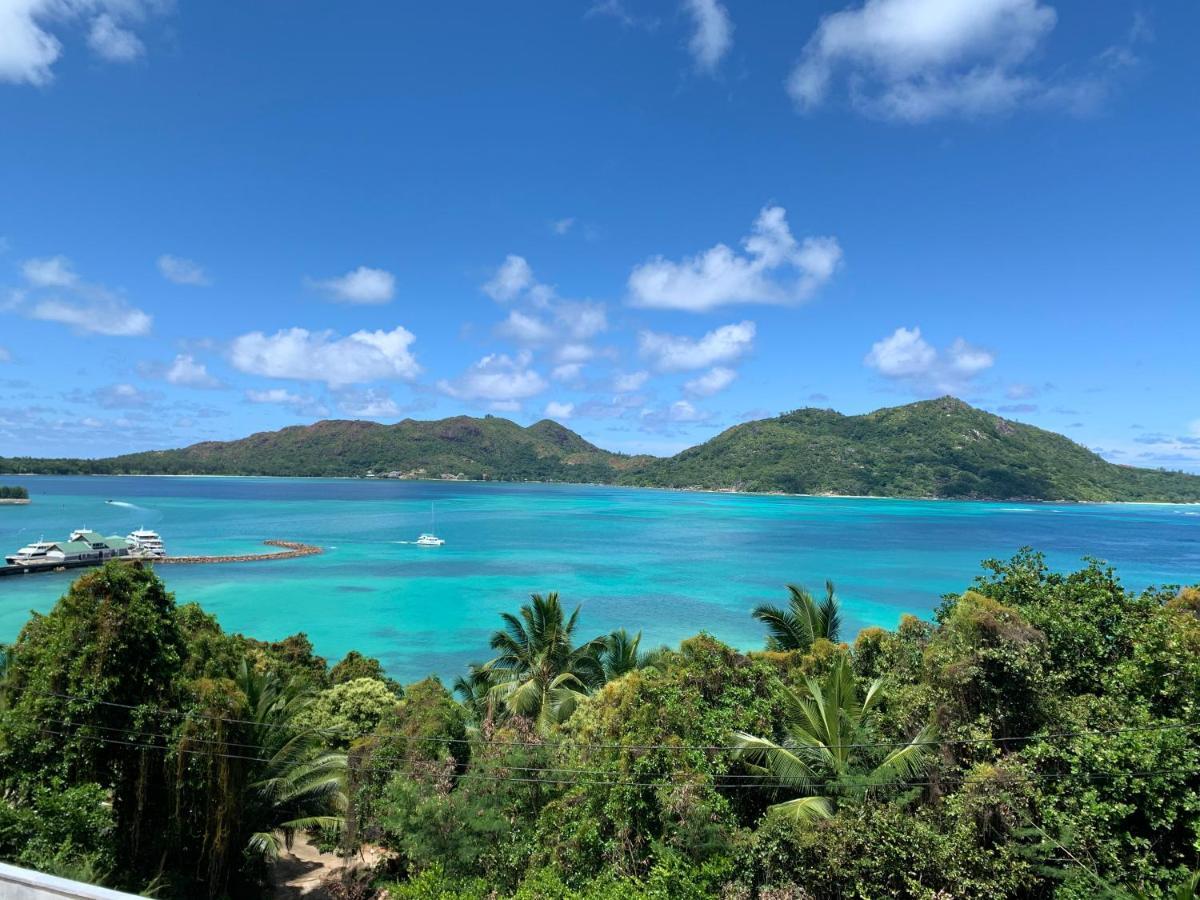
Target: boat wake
{"type": "Point", "coordinates": [125, 505]}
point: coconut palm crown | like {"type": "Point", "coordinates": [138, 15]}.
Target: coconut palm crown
{"type": "Point", "coordinates": [828, 748]}
{"type": "Point", "coordinates": [803, 621]}
{"type": "Point", "coordinates": [538, 672]}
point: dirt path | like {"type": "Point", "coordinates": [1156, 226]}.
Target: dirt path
{"type": "Point", "coordinates": [299, 873]}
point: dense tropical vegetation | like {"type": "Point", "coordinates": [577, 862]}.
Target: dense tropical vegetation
{"type": "Point", "coordinates": [1039, 737]}
{"type": "Point", "coordinates": [8, 492]}
{"type": "Point", "coordinates": [935, 448]}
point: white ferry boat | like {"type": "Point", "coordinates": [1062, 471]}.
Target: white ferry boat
{"type": "Point", "coordinates": [37, 552]}
{"type": "Point", "coordinates": [429, 540]}
{"type": "Point", "coordinates": [147, 544]}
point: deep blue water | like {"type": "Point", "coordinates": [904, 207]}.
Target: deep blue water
{"type": "Point", "coordinates": [667, 563]}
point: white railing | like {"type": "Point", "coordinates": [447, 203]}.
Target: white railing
{"type": "Point", "coordinates": [25, 884]}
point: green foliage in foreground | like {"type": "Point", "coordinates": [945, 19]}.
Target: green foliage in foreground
{"type": "Point", "coordinates": [1039, 738]}
{"type": "Point", "coordinates": [934, 448]}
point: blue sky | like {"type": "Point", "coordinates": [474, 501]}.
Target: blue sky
{"type": "Point", "coordinates": [649, 220]}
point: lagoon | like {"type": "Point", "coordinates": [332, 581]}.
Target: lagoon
{"type": "Point", "coordinates": [668, 563]}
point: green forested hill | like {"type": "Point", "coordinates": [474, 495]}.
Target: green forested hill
{"type": "Point", "coordinates": [489, 447]}
{"type": "Point", "coordinates": [935, 448]}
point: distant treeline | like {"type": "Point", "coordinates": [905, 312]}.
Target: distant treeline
{"type": "Point", "coordinates": [8, 492]}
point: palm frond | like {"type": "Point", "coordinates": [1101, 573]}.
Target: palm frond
{"type": "Point", "coordinates": [803, 809]}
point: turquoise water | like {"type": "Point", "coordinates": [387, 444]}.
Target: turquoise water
{"type": "Point", "coordinates": [668, 563]}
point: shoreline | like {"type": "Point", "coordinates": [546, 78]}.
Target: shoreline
{"type": "Point", "coordinates": [636, 487]}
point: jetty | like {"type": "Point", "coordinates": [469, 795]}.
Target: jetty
{"type": "Point", "coordinates": [287, 550]}
{"type": "Point", "coordinates": [290, 550]}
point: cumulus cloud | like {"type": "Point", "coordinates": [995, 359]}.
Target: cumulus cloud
{"type": "Point", "coordinates": [113, 43]}
{"type": "Point", "coordinates": [182, 271]}
{"type": "Point", "coordinates": [525, 328]}
{"type": "Point", "coordinates": [906, 356]}
{"type": "Point", "coordinates": [60, 295]}
{"type": "Point", "coordinates": [567, 371]}
{"type": "Point", "coordinates": [362, 285]}
{"type": "Point", "coordinates": [301, 404]}
{"type": "Point", "coordinates": [557, 410]}
{"type": "Point", "coordinates": [712, 32]}
{"type": "Point", "coordinates": [674, 353]}
{"type": "Point", "coordinates": [513, 277]}
{"type": "Point", "coordinates": [562, 226]}
{"type": "Point", "coordinates": [187, 372]}
{"type": "Point", "coordinates": [711, 382]}
{"type": "Point", "coordinates": [775, 268]}
{"type": "Point", "coordinates": [916, 60]}
{"type": "Point", "coordinates": [29, 48]}
{"type": "Point", "coordinates": [681, 412]}
{"type": "Point", "coordinates": [627, 383]}
{"type": "Point", "coordinates": [543, 321]}
{"type": "Point", "coordinates": [304, 355]}
{"type": "Point", "coordinates": [370, 404]}
{"type": "Point", "coordinates": [49, 272]}
{"type": "Point", "coordinates": [498, 379]}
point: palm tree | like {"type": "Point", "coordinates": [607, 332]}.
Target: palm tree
{"type": "Point", "coordinates": [620, 655]}
{"type": "Point", "coordinates": [474, 691]}
{"type": "Point", "coordinates": [803, 621]}
{"type": "Point", "coordinates": [296, 782]}
{"type": "Point", "coordinates": [538, 673]}
{"type": "Point", "coordinates": [827, 749]}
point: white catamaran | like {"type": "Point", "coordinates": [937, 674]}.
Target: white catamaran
{"type": "Point", "coordinates": [429, 538]}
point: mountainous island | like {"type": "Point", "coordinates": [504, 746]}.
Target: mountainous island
{"type": "Point", "coordinates": [933, 448]}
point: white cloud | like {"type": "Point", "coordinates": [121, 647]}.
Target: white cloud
{"type": "Point", "coordinates": [29, 49]}
{"type": "Point", "coordinates": [324, 356]}
{"type": "Point", "coordinates": [49, 272]}
{"type": "Point", "coordinates": [115, 396]}
{"type": "Point", "coordinates": [497, 378]}
{"type": "Point", "coordinates": [566, 371]}
{"type": "Point", "coordinates": [713, 32]}
{"type": "Point", "coordinates": [557, 410]}
{"type": "Point", "coordinates": [969, 360]}
{"type": "Point", "coordinates": [362, 285]}
{"type": "Point", "coordinates": [916, 60]}
{"type": "Point", "coordinates": [906, 356]}
{"type": "Point", "coordinates": [711, 382]}
{"type": "Point", "coordinates": [187, 372]}
{"type": "Point", "coordinates": [513, 277]}
{"type": "Point", "coordinates": [902, 354]}
{"type": "Point", "coordinates": [562, 226]}
{"type": "Point", "coordinates": [525, 328]}
{"type": "Point", "coordinates": [673, 353]}
{"type": "Point", "coordinates": [182, 271]}
{"type": "Point", "coordinates": [112, 317]}
{"type": "Point", "coordinates": [301, 404]}
{"type": "Point", "coordinates": [681, 412]}
{"type": "Point", "coordinates": [27, 52]}
{"type": "Point", "coordinates": [5, 355]}
{"type": "Point", "coordinates": [627, 383]}
{"type": "Point", "coordinates": [370, 404]}
{"type": "Point", "coordinates": [774, 269]}
{"type": "Point", "coordinates": [86, 307]}
{"type": "Point", "coordinates": [113, 43]}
